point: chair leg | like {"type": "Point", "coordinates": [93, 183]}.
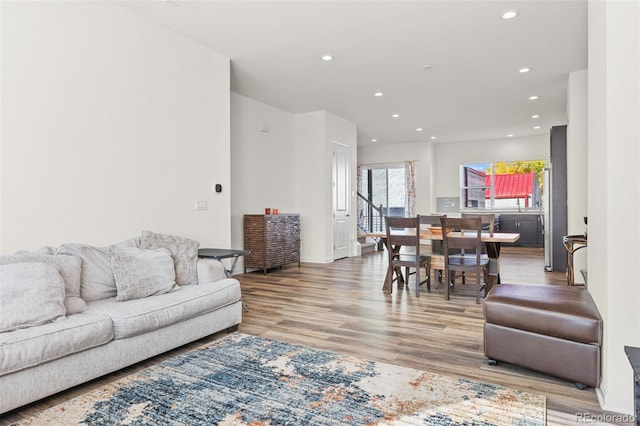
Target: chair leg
{"type": "Point", "coordinates": [447, 285]}
{"type": "Point", "coordinates": [427, 271]}
{"type": "Point", "coordinates": [418, 281]}
{"type": "Point", "coordinates": [486, 280]}
{"type": "Point", "coordinates": [478, 274]}
{"type": "Point", "coordinates": [407, 271]}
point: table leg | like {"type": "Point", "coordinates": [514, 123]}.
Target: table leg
{"type": "Point", "coordinates": [388, 280]}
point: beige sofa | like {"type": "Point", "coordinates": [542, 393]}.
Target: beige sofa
{"type": "Point", "coordinates": [75, 312]}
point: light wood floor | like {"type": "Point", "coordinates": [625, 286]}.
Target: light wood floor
{"type": "Point", "coordinates": [341, 307]}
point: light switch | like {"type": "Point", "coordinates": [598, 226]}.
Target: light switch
{"type": "Point", "coordinates": [202, 204]}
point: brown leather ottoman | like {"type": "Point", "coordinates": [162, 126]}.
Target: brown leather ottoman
{"type": "Point", "coordinates": [552, 329]}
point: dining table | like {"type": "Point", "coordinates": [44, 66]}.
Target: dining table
{"type": "Point", "coordinates": [492, 241]}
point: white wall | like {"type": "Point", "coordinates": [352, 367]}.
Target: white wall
{"type": "Point", "coordinates": [262, 171]}
{"type": "Point", "coordinates": [110, 125]}
{"type": "Point", "coordinates": [577, 163]}
{"type": "Point", "coordinates": [315, 133]}
{"type": "Point", "coordinates": [312, 185]}
{"type": "Point", "coordinates": [420, 152]}
{"type": "Point", "coordinates": [453, 154]}
{"type": "Point", "coordinates": [614, 189]}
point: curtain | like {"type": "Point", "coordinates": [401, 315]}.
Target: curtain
{"type": "Point", "coordinates": [359, 203]}
{"type": "Point", "coordinates": [410, 188]}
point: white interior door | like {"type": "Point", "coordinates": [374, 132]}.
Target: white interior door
{"type": "Point", "coordinates": [341, 201]}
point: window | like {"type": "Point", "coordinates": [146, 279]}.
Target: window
{"type": "Point", "coordinates": [516, 185]}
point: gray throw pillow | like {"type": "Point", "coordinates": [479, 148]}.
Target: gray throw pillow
{"type": "Point", "coordinates": [70, 268]}
{"type": "Point", "coordinates": [97, 280]}
{"type": "Point", "coordinates": [31, 293]}
{"type": "Point", "coordinates": [184, 252]}
{"type": "Point", "coordinates": [140, 273]}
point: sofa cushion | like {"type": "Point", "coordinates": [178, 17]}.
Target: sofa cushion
{"type": "Point", "coordinates": [183, 250]}
{"type": "Point", "coordinates": [70, 268]}
{"type": "Point", "coordinates": [32, 294]}
{"type": "Point", "coordinates": [28, 347]}
{"type": "Point", "coordinates": [139, 316]}
{"type": "Point", "coordinates": [141, 273]}
{"type": "Point", "coordinates": [567, 313]}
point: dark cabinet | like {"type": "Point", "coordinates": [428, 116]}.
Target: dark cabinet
{"type": "Point", "coordinates": [274, 240]}
{"type": "Point", "coordinates": [529, 226]}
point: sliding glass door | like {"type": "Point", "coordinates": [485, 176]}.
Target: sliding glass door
{"type": "Point", "coordinates": [383, 194]}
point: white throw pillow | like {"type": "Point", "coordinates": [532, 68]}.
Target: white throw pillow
{"type": "Point", "coordinates": [97, 280]}
{"type": "Point", "coordinates": [70, 268]}
{"type": "Point", "coordinates": [184, 252]}
{"type": "Point", "coordinates": [140, 273]}
{"type": "Point", "coordinates": [31, 293]}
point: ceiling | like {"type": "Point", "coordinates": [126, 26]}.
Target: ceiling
{"type": "Point", "coordinates": [448, 67]}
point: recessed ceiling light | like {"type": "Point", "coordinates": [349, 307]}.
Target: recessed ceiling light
{"type": "Point", "coordinates": [374, 140]}
{"type": "Point", "coordinates": [427, 67]}
{"type": "Point", "coordinates": [536, 127]}
{"type": "Point", "coordinates": [535, 116]}
{"type": "Point", "coordinates": [396, 115]}
{"type": "Point", "coordinates": [327, 57]}
{"type": "Point", "coordinates": [419, 129]}
{"type": "Point", "coordinates": [533, 98]}
{"type": "Point", "coordinates": [510, 14]}
{"type": "Point", "coordinates": [524, 70]}
{"type": "Point", "coordinates": [378, 94]}
{"type": "Point", "coordinates": [432, 137]}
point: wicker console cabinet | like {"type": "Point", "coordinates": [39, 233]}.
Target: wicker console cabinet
{"type": "Point", "coordinates": [273, 239]}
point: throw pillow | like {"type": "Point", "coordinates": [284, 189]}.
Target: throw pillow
{"type": "Point", "coordinates": [140, 273]}
{"type": "Point", "coordinates": [131, 242]}
{"type": "Point", "coordinates": [184, 252]}
{"type": "Point", "coordinates": [97, 280]}
{"type": "Point", "coordinates": [31, 293]}
{"type": "Point", "coordinates": [41, 250]}
{"type": "Point", "coordinates": [70, 268]}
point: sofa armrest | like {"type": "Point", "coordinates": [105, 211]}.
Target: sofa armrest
{"type": "Point", "coordinates": [210, 270]}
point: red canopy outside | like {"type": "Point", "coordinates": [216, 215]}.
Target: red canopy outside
{"type": "Point", "coordinates": [518, 185]}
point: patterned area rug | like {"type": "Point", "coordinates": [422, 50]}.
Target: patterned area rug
{"type": "Point", "coordinates": [247, 380]}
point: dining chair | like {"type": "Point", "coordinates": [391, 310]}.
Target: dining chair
{"type": "Point", "coordinates": [436, 262]}
{"type": "Point", "coordinates": [403, 248]}
{"type": "Point", "coordinates": [488, 222]}
{"type": "Point", "coordinates": [463, 252]}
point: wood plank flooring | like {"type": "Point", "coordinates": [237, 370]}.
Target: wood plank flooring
{"type": "Point", "coordinates": [341, 307]}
